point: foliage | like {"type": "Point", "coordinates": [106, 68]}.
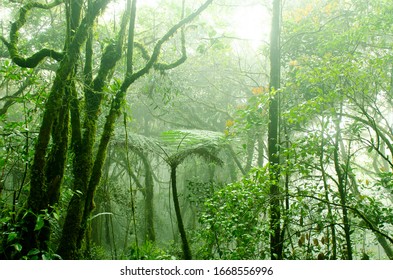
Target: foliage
{"type": "Point", "coordinates": [206, 119]}
{"type": "Point", "coordinates": [234, 220]}
{"type": "Point", "coordinates": [11, 238]}
{"type": "Point", "coordinates": [150, 251]}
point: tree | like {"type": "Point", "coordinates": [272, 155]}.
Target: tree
{"type": "Point", "coordinates": [307, 149]}
{"type": "Point", "coordinates": [188, 143]}
{"type": "Point", "coordinates": [335, 82]}
{"type": "Point", "coordinates": [64, 110]}
{"type": "Point", "coordinates": [276, 244]}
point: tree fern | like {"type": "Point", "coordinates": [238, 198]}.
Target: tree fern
{"type": "Point", "coordinates": [179, 144]}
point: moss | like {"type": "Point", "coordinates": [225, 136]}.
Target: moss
{"type": "Point", "coordinates": [149, 207]}
{"type": "Point", "coordinates": [68, 248]}
{"type": "Point", "coordinates": [12, 46]}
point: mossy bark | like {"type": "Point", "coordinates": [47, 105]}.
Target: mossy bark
{"type": "Point", "coordinates": [81, 204]}
{"type": "Point", "coordinates": [149, 206]}
{"type": "Point", "coordinates": [48, 164]}
{"type": "Point", "coordinates": [40, 187]}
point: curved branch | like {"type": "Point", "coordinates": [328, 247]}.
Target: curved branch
{"type": "Point", "coordinates": [157, 49]}
{"type": "Point", "coordinates": [12, 99]}
{"type": "Point", "coordinates": [143, 50]}
{"type": "Point", "coordinates": [380, 131]}
{"type": "Point", "coordinates": [12, 46]}
{"type": "Point", "coordinates": [183, 58]}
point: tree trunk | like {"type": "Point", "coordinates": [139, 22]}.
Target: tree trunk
{"type": "Point", "coordinates": [186, 248]}
{"type": "Point", "coordinates": [342, 188]}
{"type": "Point", "coordinates": [273, 135]}
{"type": "Point", "coordinates": [81, 204]}
{"type": "Point", "coordinates": [149, 207]}
{"type": "Point", "coordinates": [62, 104]}
{"type": "Point", "coordinates": [48, 165]}
{"type": "Point", "coordinates": [326, 189]}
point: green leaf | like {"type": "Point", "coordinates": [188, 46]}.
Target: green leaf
{"type": "Point", "coordinates": [5, 219]}
{"type": "Point", "coordinates": [40, 223]}
{"type": "Point", "coordinates": [17, 247]}
{"type": "Point", "coordinates": [33, 252]}
{"type": "Point", "coordinates": [12, 236]}
{"type": "Point", "coordinates": [78, 192]}
{"type": "Point", "coordinates": [56, 216]}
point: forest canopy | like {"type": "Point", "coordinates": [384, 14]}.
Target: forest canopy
{"type": "Point", "coordinates": [196, 129]}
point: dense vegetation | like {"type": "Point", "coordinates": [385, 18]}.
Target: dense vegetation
{"type": "Point", "coordinates": [160, 130]}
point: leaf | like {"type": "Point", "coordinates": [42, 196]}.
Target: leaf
{"type": "Point", "coordinates": [5, 219]}
{"type": "Point", "coordinates": [56, 216]}
{"type": "Point", "coordinates": [40, 223]}
{"type": "Point", "coordinates": [12, 236]}
{"type": "Point", "coordinates": [17, 247]}
{"type": "Point", "coordinates": [181, 140]}
{"type": "Point", "coordinates": [78, 192]}
{"type": "Point", "coordinates": [33, 252]}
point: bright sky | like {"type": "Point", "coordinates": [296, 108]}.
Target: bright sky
{"type": "Point", "coordinates": [252, 23]}
{"type": "Point", "coordinates": [250, 20]}
{"type": "Point", "coordinates": [148, 2]}
{"type": "Point", "coordinates": [5, 15]}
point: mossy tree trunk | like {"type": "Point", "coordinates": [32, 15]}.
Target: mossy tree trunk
{"type": "Point", "coordinates": [276, 245]}
{"type": "Point", "coordinates": [77, 215]}
{"type": "Point", "coordinates": [48, 164]}
{"type": "Point", "coordinates": [150, 234]}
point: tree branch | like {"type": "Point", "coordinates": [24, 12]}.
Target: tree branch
{"type": "Point", "coordinates": [356, 211]}
{"type": "Point", "coordinates": [12, 99]}
{"type": "Point", "coordinates": [12, 46]}
{"type": "Point", "coordinates": [130, 78]}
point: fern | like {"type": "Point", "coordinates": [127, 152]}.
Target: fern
{"type": "Point", "coordinates": [174, 146]}
{"type": "Point", "coordinates": [185, 139]}
{"type": "Point", "coordinates": [140, 143]}
{"type": "Point", "coordinates": [183, 143]}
